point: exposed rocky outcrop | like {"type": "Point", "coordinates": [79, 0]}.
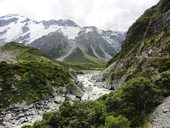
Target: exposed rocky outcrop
{"type": "Point", "coordinates": [20, 113]}
{"type": "Point", "coordinates": [76, 90]}
{"type": "Point", "coordinates": [160, 118]}
{"type": "Point", "coordinates": [8, 57]}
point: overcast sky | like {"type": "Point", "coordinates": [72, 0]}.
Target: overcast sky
{"type": "Point", "coordinates": [116, 15]}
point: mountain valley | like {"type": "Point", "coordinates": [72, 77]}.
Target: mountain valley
{"type": "Point", "coordinates": [56, 74]}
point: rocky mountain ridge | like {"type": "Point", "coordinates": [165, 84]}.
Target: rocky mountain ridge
{"type": "Point", "coordinates": [39, 35]}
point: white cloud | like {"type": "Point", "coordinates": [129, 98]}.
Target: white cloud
{"type": "Point", "coordinates": [106, 14]}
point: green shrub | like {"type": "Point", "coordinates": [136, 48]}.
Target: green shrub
{"type": "Point", "coordinates": [27, 126]}
{"type": "Point", "coordinates": [161, 63]}
{"type": "Point", "coordinates": [164, 83]}
{"type": "Point", "coordinates": [134, 100]}
{"type": "Point", "coordinates": [117, 122]}
{"type": "Point", "coordinates": [29, 81]}
{"type": "Point", "coordinates": [87, 114]}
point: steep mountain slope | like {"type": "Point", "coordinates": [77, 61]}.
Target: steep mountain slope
{"type": "Point", "coordinates": [54, 44]}
{"type": "Point", "coordinates": [146, 48]}
{"type": "Point", "coordinates": [41, 35]}
{"type": "Point", "coordinates": [94, 44]}
{"type": "Point", "coordinates": [140, 72]}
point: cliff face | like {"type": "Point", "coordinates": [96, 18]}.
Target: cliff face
{"type": "Point", "coordinates": [146, 48]}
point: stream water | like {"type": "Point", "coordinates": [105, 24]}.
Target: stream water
{"type": "Point", "coordinates": [93, 89]}
{"type": "Point", "coordinates": [24, 114]}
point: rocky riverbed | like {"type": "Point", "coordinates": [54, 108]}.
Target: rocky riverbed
{"type": "Point", "coordinates": [19, 114]}
{"type": "Point", "coordinates": [92, 88]}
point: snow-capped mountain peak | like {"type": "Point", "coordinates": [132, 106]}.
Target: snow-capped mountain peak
{"type": "Point", "coordinates": [88, 29]}
{"type": "Point", "coordinates": [14, 27]}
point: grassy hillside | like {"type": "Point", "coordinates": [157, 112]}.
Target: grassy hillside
{"type": "Point", "coordinates": [23, 53]}
{"type": "Point", "coordinates": [78, 56]}
{"type": "Point", "coordinates": [30, 76]}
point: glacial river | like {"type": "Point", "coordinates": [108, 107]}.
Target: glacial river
{"type": "Point", "coordinates": [29, 114]}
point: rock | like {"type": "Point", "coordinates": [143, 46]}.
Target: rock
{"type": "Point", "coordinates": [80, 84]}
{"type": "Point", "coordinates": [59, 99]}
{"type": "Point", "coordinates": [33, 112]}
{"type": "Point", "coordinates": [13, 88]}
{"type": "Point", "coordinates": [73, 74]}
{"type": "Point", "coordinates": [166, 110]}
{"type": "Point", "coordinates": [70, 97]}
{"type": "Point", "coordinates": [2, 126]}
{"type": "Point", "coordinates": [50, 105]}
{"type": "Point", "coordinates": [160, 118]}
{"type": "Point", "coordinates": [21, 115]}
{"type": "Point", "coordinates": [111, 88]}
{"type": "Point", "coordinates": [76, 90]}
{"type": "Point", "coordinates": [150, 51]}
{"type": "Point", "coordinates": [8, 117]}
{"type": "Point", "coordinates": [8, 125]}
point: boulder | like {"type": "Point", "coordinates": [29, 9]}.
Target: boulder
{"type": "Point", "coordinates": [8, 117]}
{"type": "Point", "coordinates": [73, 74]}
{"type": "Point", "coordinates": [75, 90]}
{"type": "Point", "coordinates": [70, 97]}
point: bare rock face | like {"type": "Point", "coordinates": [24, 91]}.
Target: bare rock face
{"type": "Point", "coordinates": [160, 118]}
{"type": "Point", "coordinates": [77, 89]}
{"type": "Point", "coordinates": [73, 74]}
{"type": "Point", "coordinates": [8, 57]}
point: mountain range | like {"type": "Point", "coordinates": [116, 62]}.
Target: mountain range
{"type": "Point", "coordinates": [137, 78]}
{"type": "Point", "coordinates": [62, 39]}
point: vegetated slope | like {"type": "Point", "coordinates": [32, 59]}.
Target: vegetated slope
{"type": "Point", "coordinates": [29, 75]}
{"type": "Point", "coordinates": [14, 52]}
{"type": "Point", "coordinates": [146, 47]}
{"type": "Point", "coordinates": [141, 71]}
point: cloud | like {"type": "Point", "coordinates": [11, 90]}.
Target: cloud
{"type": "Point", "coordinates": [105, 14]}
